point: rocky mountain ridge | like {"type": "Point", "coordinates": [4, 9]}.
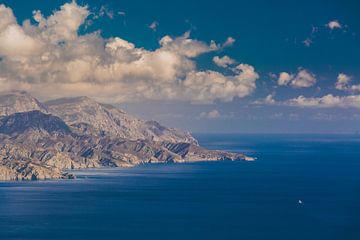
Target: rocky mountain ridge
{"type": "Point", "coordinates": [109, 120]}
{"type": "Point", "coordinates": [35, 144]}
{"type": "Point", "coordinates": [19, 101]}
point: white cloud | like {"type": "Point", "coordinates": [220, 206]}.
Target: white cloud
{"type": "Point", "coordinates": [284, 78]}
{"type": "Point", "coordinates": [229, 42]}
{"type": "Point", "coordinates": [6, 17]}
{"type": "Point", "coordinates": [302, 79]}
{"type": "Point", "coordinates": [187, 47]}
{"type": "Point", "coordinates": [224, 61]}
{"type": "Point", "coordinates": [342, 82]}
{"type": "Point", "coordinates": [51, 59]}
{"type": "Point", "coordinates": [207, 86]}
{"type": "Point", "coordinates": [355, 87]}
{"type": "Point", "coordinates": [215, 114]}
{"type": "Point", "coordinates": [326, 101]}
{"type": "Point", "coordinates": [15, 43]}
{"type": "Point", "coordinates": [269, 100]}
{"type": "Point", "coordinates": [154, 25]}
{"type": "Point", "coordinates": [62, 24]}
{"type": "Point", "coordinates": [334, 24]}
{"type": "Point", "coordinates": [210, 115]}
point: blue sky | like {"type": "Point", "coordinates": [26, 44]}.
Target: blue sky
{"type": "Point", "coordinates": [317, 44]}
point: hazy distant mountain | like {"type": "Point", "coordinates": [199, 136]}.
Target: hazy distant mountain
{"type": "Point", "coordinates": [36, 145]}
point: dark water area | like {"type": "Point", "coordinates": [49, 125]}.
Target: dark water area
{"type": "Point", "coordinates": [301, 187]}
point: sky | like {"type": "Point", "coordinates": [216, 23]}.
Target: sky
{"type": "Point", "coordinates": [206, 66]}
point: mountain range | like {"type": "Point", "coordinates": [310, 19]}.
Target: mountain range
{"type": "Point", "coordinates": [43, 140]}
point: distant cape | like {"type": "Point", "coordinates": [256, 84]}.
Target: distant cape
{"type": "Point", "coordinates": [43, 140]}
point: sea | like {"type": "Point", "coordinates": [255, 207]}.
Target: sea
{"type": "Point", "coordinates": [300, 187]}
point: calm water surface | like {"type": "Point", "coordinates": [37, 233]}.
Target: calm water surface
{"type": "Point", "coordinates": [214, 200]}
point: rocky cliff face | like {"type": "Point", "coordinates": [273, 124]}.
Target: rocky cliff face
{"type": "Point", "coordinates": [35, 145]}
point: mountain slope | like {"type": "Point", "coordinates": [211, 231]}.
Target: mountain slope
{"type": "Point", "coordinates": [20, 122]}
{"type": "Point", "coordinates": [19, 101]}
{"type": "Point", "coordinates": [90, 117]}
{"type": "Point", "coordinates": [106, 119]}
{"type": "Point", "coordinates": [35, 145]}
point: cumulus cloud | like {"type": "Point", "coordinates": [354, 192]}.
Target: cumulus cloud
{"type": "Point", "coordinates": [284, 78]}
{"type": "Point", "coordinates": [187, 47]}
{"type": "Point", "coordinates": [207, 86]}
{"type": "Point", "coordinates": [342, 82]}
{"type": "Point", "coordinates": [7, 17]}
{"type": "Point", "coordinates": [326, 101]}
{"type": "Point", "coordinates": [61, 25]}
{"type": "Point", "coordinates": [269, 100]}
{"type": "Point", "coordinates": [355, 87]}
{"type": "Point", "coordinates": [15, 43]}
{"type": "Point", "coordinates": [210, 115]}
{"type": "Point", "coordinates": [334, 24]}
{"type": "Point", "coordinates": [224, 61]}
{"type": "Point", "coordinates": [302, 79]}
{"type": "Point", "coordinates": [215, 114]}
{"type": "Point", "coordinates": [51, 59]}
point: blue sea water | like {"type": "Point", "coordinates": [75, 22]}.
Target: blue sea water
{"type": "Point", "coordinates": [211, 200]}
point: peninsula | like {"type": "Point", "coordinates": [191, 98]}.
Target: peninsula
{"type": "Point", "coordinates": [43, 140]}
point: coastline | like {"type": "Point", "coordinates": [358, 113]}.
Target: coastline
{"type": "Point", "coordinates": [68, 174]}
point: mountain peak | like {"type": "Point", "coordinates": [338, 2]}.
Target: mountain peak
{"type": "Point", "coordinates": [19, 101]}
